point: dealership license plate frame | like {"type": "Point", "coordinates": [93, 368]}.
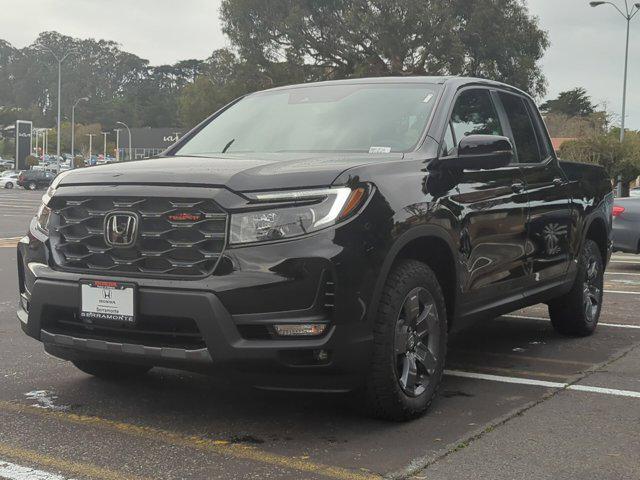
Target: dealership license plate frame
{"type": "Point", "coordinates": [124, 292]}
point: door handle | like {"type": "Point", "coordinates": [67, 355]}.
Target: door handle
{"type": "Point", "coordinates": [558, 181]}
{"type": "Point", "coordinates": [517, 187]}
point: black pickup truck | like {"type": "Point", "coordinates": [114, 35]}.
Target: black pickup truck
{"type": "Point", "coordinates": [320, 237]}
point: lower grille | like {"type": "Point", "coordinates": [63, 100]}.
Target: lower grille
{"type": "Point", "coordinates": [178, 237]}
{"type": "Point", "coordinates": [149, 331]}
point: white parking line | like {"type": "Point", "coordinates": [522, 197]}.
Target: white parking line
{"type": "Point", "coordinates": [624, 261]}
{"type": "Point", "coordinates": [11, 471]}
{"type": "Point", "coordinates": [601, 324]}
{"type": "Point", "coordinates": [621, 291]}
{"type": "Point", "coordinates": [623, 273]}
{"type": "Point", "coordinates": [543, 383]}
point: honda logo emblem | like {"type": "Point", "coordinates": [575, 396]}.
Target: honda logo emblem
{"type": "Point", "coordinates": [120, 229]}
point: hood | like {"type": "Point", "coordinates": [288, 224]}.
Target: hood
{"type": "Point", "coordinates": [239, 173]}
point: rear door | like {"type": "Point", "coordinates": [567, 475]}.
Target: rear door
{"type": "Point", "coordinates": [492, 211]}
{"type": "Point", "coordinates": [549, 225]}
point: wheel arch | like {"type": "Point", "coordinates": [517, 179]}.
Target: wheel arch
{"type": "Point", "coordinates": [596, 230]}
{"type": "Point", "coordinates": [433, 246]}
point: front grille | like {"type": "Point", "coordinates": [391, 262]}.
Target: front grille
{"type": "Point", "coordinates": [178, 237]}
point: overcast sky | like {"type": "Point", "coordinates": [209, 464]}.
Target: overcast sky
{"type": "Point", "coordinates": [587, 44]}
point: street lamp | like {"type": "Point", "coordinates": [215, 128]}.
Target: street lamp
{"type": "Point", "coordinates": [117, 130]}
{"type": "Point", "coordinates": [105, 145]}
{"type": "Point", "coordinates": [73, 127]}
{"type": "Point", "coordinates": [90, 135]}
{"type": "Point", "coordinates": [628, 14]}
{"type": "Point", "coordinates": [60, 59]}
{"type": "Point", "coordinates": [130, 146]}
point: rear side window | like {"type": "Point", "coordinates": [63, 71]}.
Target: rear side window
{"type": "Point", "coordinates": [474, 114]}
{"type": "Point", "coordinates": [524, 134]}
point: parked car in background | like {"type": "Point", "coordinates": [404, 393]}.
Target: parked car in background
{"type": "Point", "coordinates": [35, 179]}
{"type": "Point", "coordinates": [6, 163]}
{"type": "Point", "coordinates": [634, 192]}
{"type": "Point", "coordinates": [626, 225]}
{"type": "Point", "coordinates": [9, 181]}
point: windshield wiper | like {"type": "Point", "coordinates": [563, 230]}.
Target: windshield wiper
{"type": "Point", "coordinates": [226, 147]}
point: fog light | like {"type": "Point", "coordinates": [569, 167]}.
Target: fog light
{"type": "Point", "coordinates": [300, 329]}
{"type": "Point", "coordinates": [321, 355]}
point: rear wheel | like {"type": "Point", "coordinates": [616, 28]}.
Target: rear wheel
{"type": "Point", "coordinates": [410, 342]}
{"type": "Point", "coordinates": [8, 185]}
{"type": "Point", "coordinates": [32, 186]}
{"type": "Point", "coordinates": [577, 312]}
{"type": "Point", "coordinates": [111, 370]}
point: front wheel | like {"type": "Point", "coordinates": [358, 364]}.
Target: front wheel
{"type": "Point", "coordinates": [8, 185]}
{"type": "Point", "coordinates": [577, 312]}
{"type": "Point", "coordinates": [32, 186]}
{"type": "Point", "coordinates": [410, 343]}
{"type": "Point", "coordinates": [111, 370]}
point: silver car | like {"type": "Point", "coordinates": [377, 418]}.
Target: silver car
{"type": "Point", "coordinates": [626, 225]}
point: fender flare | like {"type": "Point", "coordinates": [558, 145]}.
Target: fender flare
{"type": "Point", "coordinates": [422, 231]}
{"type": "Point", "coordinates": [596, 216]}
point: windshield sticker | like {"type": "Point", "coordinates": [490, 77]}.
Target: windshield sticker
{"type": "Point", "coordinates": [428, 98]}
{"type": "Point", "coordinates": [380, 150]}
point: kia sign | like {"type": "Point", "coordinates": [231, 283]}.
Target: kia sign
{"type": "Point", "coordinates": [23, 143]}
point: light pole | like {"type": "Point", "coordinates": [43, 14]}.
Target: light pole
{"type": "Point", "coordinates": [90, 135]}
{"type": "Point", "coordinates": [73, 127]}
{"type": "Point", "coordinates": [117, 130]}
{"type": "Point", "coordinates": [130, 146]}
{"type": "Point", "coordinates": [628, 14]}
{"type": "Point", "coordinates": [60, 59]}
{"type": "Point", "coordinates": [105, 145]}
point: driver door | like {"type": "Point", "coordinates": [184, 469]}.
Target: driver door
{"type": "Point", "coordinates": [492, 210]}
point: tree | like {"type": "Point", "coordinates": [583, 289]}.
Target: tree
{"type": "Point", "coordinates": [31, 161]}
{"type": "Point", "coordinates": [224, 77]}
{"type": "Point", "coordinates": [496, 39]}
{"type": "Point", "coordinates": [572, 103]}
{"type": "Point", "coordinates": [564, 126]}
{"type": "Point", "coordinates": [618, 159]}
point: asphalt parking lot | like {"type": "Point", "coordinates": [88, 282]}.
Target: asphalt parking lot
{"type": "Point", "coordinates": [519, 401]}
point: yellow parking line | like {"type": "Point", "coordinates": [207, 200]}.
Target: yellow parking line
{"type": "Point", "coordinates": [221, 447]}
{"type": "Point", "coordinates": [9, 242]}
{"type": "Point", "coordinates": [73, 468]}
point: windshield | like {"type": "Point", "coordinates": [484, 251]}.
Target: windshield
{"type": "Point", "coordinates": [373, 118]}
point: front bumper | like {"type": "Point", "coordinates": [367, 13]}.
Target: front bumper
{"type": "Point", "coordinates": [277, 283]}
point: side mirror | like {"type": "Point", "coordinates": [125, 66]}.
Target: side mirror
{"type": "Point", "coordinates": [481, 152]}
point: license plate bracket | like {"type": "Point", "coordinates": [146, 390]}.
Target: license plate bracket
{"type": "Point", "coordinates": [108, 302]}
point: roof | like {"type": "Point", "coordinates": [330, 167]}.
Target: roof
{"type": "Point", "coordinates": [455, 81]}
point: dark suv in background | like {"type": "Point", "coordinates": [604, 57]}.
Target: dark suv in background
{"type": "Point", "coordinates": [319, 237]}
{"type": "Point", "coordinates": [35, 179]}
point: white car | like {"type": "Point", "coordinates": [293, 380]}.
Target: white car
{"type": "Point", "coordinates": [9, 181]}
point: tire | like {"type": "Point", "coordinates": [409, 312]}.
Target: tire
{"type": "Point", "coordinates": [8, 185]}
{"type": "Point", "coordinates": [32, 186]}
{"type": "Point", "coordinates": [111, 370]}
{"type": "Point", "coordinates": [410, 343]}
{"type": "Point", "coordinates": [576, 313]}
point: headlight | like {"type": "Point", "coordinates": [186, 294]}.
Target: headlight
{"type": "Point", "coordinates": [304, 212]}
{"type": "Point", "coordinates": [41, 221]}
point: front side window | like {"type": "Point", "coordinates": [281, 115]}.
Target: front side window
{"type": "Point", "coordinates": [524, 135]}
{"type": "Point", "coordinates": [372, 118]}
{"type": "Point", "coordinates": [474, 114]}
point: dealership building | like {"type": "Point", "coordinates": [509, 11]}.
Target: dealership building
{"type": "Point", "coordinates": [146, 142]}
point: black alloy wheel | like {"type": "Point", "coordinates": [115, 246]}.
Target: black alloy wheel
{"type": "Point", "coordinates": [417, 341]}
